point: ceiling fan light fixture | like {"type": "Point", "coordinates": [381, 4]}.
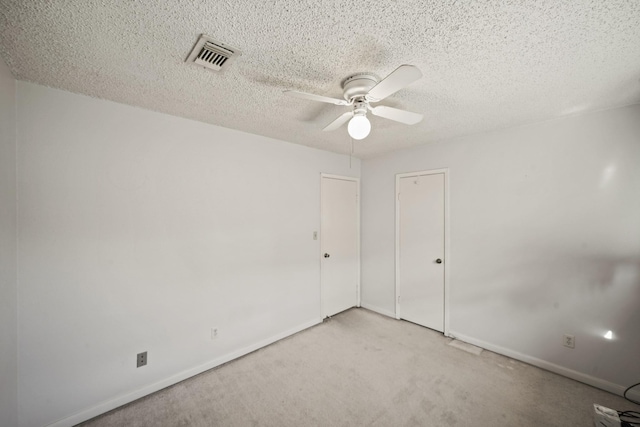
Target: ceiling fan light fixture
{"type": "Point", "coordinates": [359, 127]}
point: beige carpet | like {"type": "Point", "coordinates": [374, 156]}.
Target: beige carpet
{"type": "Point", "coordinates": [364, 369]}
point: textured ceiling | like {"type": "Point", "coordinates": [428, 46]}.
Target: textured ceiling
{"type": "Point", "coordinates": [486, 64]}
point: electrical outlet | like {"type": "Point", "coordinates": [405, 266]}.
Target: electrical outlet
{"type": "Point", "coordinates": [214, 333]}
{"type": "Point", "coordinates": [141, 359]}
{"type": "Point", "coordinates": [569, 341]}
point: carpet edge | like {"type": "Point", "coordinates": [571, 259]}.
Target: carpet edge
{"type": "Point", "coordinates": [378, 310]}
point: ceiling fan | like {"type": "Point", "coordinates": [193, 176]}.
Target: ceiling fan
{"type": "Point", "coordinates": [363, 89]}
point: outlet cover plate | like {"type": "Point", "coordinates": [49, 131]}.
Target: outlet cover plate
{"type": "Point", "coordinates": [569, 341]}
{"type": "Point", "coordinates": [141, 359]}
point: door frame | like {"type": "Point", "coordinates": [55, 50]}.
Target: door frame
{"type": "Point", "coordinates": [320, 249]}
{"type": "Point", "coordinates": [447, 244]}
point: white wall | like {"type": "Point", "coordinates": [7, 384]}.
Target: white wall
{"type": "Point", "coordinates": [545, 240]}
{"type": "Point", "coordinates": [140, 232]}
{"type": "Point", "coordinates": [8, 248]}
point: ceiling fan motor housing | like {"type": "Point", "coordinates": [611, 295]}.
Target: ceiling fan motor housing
{"type": "Point", "coordinates": [358, 85]}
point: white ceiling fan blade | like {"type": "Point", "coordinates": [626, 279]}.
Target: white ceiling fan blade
{"type": "Point", "coordinates": [402, 116]}
{"type": "Point", "coordinates": [313, 97]}
{"type": "Point", "coordinates": [338, 122]}
{"type": "Point", "coordinates": [400, 78]}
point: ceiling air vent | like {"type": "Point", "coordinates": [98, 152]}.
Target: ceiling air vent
{"type": "Point", "coordinates": [211, 54]}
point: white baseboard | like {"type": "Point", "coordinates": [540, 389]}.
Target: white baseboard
{"type": "Point", "coordinates": [378, 310]}
{"type": "Point", "coordinates": [552, 367]}
{"type": "Point", "coordinates": [152, 388]}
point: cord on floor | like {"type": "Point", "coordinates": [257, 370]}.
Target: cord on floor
{"type": "Point", "coordinates": [630, 418]}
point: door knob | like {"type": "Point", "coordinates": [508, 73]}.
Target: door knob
{"type": "Point", "coordinates": [327, 255]}
{"type": "Point", "coordinates": [438, 261]}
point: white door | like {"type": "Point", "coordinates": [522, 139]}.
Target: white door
{"type": "Point", "coordinates": [421, 249]}
{"type": "Point", "coordinates": [339, 237]}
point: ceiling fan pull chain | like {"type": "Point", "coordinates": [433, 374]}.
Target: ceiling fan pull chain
{"type": "Point", "coordinates": [351, 153]}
